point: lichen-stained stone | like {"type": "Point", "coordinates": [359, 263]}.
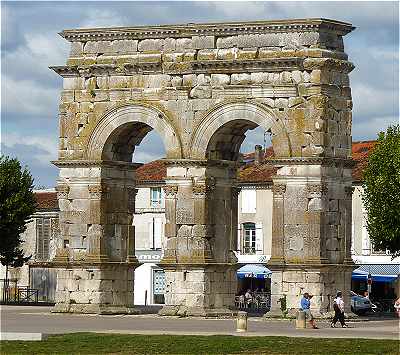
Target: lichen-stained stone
{"type": "Point", "coordinates": [201, 92]}
{"type": "Point", "coordinates": [207, 54]}
{"type": "Point", "coordinates": [220, 79]}
{"type": "Point", "coordinates": [201, 87]}
{"type": "Point", "coordinates": [203, 42]}
{"type": "Point", "coordinates": [308, 38]}
{"type": "Point", "coordinates": [124, 46]}
{"type": "Point", "coordinates": [150, 45]}
{"type": "Point", "coordinates": [183, 44]}
{"type": "Point", "coordinates": [238, 79]}
{"type": "Point", "coordinates": [226, 54]}
{"type": "Point", "coordinates": [226, 42]}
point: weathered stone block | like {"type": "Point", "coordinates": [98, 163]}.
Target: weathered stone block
{"type": "Point", "coordinates": [124, 46]}
{"type": "Point", "coordinates": [238, 79]}
{"type": "Point", "coordinates": [203, 42]}
{"type": "Point", "coordinates": [227, 54]}
{"type": "Point", "coordinates": [220, 79]}
{"type": "Point", "coordinates": [207, 54]}
{"type": "Point", "coordinates": [184, 43]}
{"type": "Point", "coordinates": [150, 45]}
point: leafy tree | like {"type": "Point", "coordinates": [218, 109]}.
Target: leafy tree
{"type": "Point", "coordinates": [17, 203]}
{"type": "Point", "coordinates": [382, 192]}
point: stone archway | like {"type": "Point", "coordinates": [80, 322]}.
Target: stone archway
{"type": "Point", "coordinates": [118, 125]}
{"type": "Point", "coordinates": [256, 113]}
{"type": "Point", "coordinates": [201, 86]}
{"type": "Point", "coordinates": [97, 201]}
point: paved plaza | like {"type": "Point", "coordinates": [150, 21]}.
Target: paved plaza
{"type": "Point", "coordinates": [39, 319]}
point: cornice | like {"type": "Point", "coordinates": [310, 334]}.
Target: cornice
{"type": "Point", "coordinates": [328, 63]}
{"type": "Point", "coordinates": [204, 29]}
{"type": "Point", "coordinates": [324, 161]}
{"type": "Point", "coordinates": [95, 163]}
{"type": "Point", "coordinates": [201, 163]}
{"type": "Point", "coordinates": [192, 67]}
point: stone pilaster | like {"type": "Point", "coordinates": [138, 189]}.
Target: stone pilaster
{"type": "Point", "coordinates": [199, 259]}
{"type": "Point", "coordinates": [316, 224]}
{"type": "Point", "coordinates": [277, 249]}
{"type": "Point", "coordinates": [95, 259]}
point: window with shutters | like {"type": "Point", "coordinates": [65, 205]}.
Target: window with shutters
{"type": "Point", "coordinates": [249, 238]}
{"type": "Point", "coordinates": [43, 231]}
{"type": "Point", "coordinates": [249, 201]}
{"type": "Point", "coordinates": [155, 197]}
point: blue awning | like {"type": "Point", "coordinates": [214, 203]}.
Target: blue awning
{"type": "Point", "coordinates": [254, 271]}
{"type": "Point", "coordinates": [379, 272]}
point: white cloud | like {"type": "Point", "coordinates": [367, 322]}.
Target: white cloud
{"type": "Point", "coordinates": [48, 145]}
{"type": "Point", "coordinates": [239, 9]}
{"type": "Point", "coordinates": [32, 57]}
{"type": "Point", "coordinates": [28, 98]}
{"type": "Point", "coordinates": [367, 130]}
{"type": "Point", "coordinates": [102, 18]}
{"type": "Point", "coordinates": [370, 101]}
{"type": "Point", "coordinates": [144, 157]}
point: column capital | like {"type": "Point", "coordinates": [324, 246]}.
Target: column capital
{"type": "Point", "coordinates": [62, 191]}
{"type": "Point", "coordinates": [97, 191]}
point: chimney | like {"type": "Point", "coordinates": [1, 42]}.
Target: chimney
{"type": "Point", "coordinates": [258, 154]}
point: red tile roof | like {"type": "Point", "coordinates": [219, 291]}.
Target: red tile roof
{"type": "Point", "coordinates": [256, 173]}
{"type": "Point", "coordinates": [46, 200]}
{"type": "Point", "coordinates": [153, 171]}
{"type": "Point", "coordinates": [360, 152]}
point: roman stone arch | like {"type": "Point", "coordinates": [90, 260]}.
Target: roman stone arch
{"type": "Point", "coordinates": [247, 115]}
{"type": "Point", "coordinates": [121, 129]}
{"type": "Point", "coordinates": [201, 87]}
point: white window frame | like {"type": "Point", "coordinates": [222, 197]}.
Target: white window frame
{"type": "Point", "coordinates": [249, 238]}
{"type": "Point", "coordinates": [156, 201]}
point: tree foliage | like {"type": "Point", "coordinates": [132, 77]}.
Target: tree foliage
{"type": "Point", "coordinates": [382, 192]}
{"type": "Point", "coordinates": [17, 203]}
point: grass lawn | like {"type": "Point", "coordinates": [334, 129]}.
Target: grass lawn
{"type": "Point", "coordinates": [90, 343]}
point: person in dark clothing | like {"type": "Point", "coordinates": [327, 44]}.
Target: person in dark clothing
{"type": "Point", "coordinates": [338, 307]}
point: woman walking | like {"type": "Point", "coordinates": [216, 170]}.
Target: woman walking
{"type": "Point", "coordinates": [338, 306]}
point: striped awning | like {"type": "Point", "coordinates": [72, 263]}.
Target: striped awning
{"type": "Point", "coordinates": [254, 271]}
{"type": "Point", "coordinates": [379, 272]}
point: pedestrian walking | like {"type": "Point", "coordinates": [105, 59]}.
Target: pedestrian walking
{"type": "Point", "coordinates": [305, 306]}
{"type": "Point", "coordinates": [397, 307]}
{"type": "Point", "coordinates": [338, 307]}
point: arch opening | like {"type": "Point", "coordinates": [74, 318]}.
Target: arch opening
{"type": "Point", "coordinates": [121, 130]}
{"type": "Point", "coordinates": [236, 139]}
{"type": "Point", "coordinates": [222, 132]}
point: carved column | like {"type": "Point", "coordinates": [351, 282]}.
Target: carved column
{"type": "Point", "coordinates": [97, 246]}
{"type": "Point", "coordinates": [199, 259]}
{"type": "Point", "coordinates": [311, 233]}
{"type": "Point", "coordinates": [277, 248]}
{"type": "Point", "coordinates": [170, 193]}
{"type": "Point", "coordinates": [96, 259]}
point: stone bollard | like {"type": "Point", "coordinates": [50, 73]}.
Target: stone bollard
{"type": "Point", "coordinates": [241, 323]}
{"type": "Point", "coordinates": [301, 320]}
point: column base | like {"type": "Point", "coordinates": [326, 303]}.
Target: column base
{"type": "Point", "coordinates": [183, 311]}
{"type": "Point", "coordinates": [200, 290]}
{"type": "Point", "coordinates": [93, 309]}
{"type": "Point", "coordinates": [95, 288]}
{"type": "Point", "coordinates": [290, 281]}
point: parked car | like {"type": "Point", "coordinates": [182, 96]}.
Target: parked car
{"type": "Point", "coordinates": [360, 304]}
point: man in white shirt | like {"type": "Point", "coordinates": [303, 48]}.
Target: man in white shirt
{"type": "Point", "coordinates": [338, 306]}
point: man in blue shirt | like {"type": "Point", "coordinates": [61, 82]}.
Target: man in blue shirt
{"type": "Point", "coordinates": [305, 306]}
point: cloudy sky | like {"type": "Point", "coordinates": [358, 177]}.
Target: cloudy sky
{"type": "Point", "coordinates": [30, 43]}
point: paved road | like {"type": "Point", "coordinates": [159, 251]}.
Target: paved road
{"type": "Point", "coordinates": [39, 319]}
